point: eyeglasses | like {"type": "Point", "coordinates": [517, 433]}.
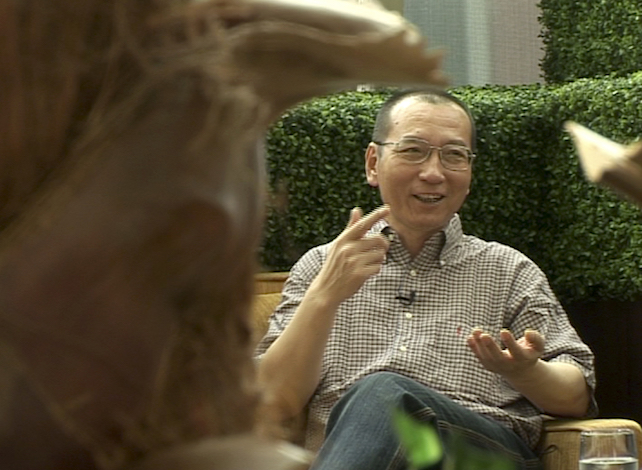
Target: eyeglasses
{"type": "Point", "coordinates": [416, 151]}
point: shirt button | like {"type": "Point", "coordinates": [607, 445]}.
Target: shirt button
{"type": "Point", "coordinates": [391, 236]}
{"type": "Point", "coordinates": [413, 273]}
{"type": "Point", "coordinates": [403, 348]}
{"type": "Point", "coordinates": [408, 315]}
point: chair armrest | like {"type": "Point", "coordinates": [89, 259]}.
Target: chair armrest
{"type": "Point", "coordinates": [262, 307]}
{"type": "Point", "coordinates": [560, 443]}
{"type": "Point", "coordinates": [246, 451]}
{"type": "Point", "coordinates": [267, 290]}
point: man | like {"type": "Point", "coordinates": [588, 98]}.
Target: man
{"type": "Point", "coordinates": [403, 310]}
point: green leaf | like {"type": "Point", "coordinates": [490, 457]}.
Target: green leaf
{"type": "Point", "coordinates": [421, 441]}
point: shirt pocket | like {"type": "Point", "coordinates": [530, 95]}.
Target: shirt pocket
{"type": "Point", "coordinates": [450, 365]}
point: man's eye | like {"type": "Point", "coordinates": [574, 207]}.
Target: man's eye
{"type": "Point", "coordinates": [455, 154]}
{"type": "Point", "coordinates": [410, 150]}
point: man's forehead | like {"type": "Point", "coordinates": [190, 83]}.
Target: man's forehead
{"type": "Point", "coordinates": [411, 102]}
{"type": "Point", "coordinates": [414, 107]}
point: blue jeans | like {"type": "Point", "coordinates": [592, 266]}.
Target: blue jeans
{"type": "Point", "coordinates": [360, 433]}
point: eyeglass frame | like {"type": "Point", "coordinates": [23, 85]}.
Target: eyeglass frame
{"type": "Point", "coordinates": [470, 154]}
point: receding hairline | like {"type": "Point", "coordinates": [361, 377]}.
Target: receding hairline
{"type": "Point", "coordinates": [383, 122]}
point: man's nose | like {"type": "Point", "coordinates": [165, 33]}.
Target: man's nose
{"type": "Point", "coordinates": [432, 168]}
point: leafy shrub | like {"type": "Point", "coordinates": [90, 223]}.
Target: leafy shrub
{"type": "Point", "coordinates": [528, 190]}
{"type": "Point", "coordinates": [590, 38]}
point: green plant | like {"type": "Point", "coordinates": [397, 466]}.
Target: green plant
{"type": "Point", "coordinates": [528, 189]}
{"type": "Point", "coordinates": [420, 440]}
{"type": "Point", "coordinates": [424, 448]}
{"type": "Point", "coordinates": [590, 38]}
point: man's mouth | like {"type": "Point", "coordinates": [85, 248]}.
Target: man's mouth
{"type": "Point", "coordinates": [429, 198]}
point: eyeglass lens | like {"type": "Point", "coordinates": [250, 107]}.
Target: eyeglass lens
{"type": "Point", "coordinates": [452, 156]}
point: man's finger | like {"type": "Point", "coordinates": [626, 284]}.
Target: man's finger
{"type": "Point", "coordinates": [374, 256]}
{"type": "Point", "coordinates": [355, 214]}
{"type": "Point", "coordinates": [512, 345]}
{"type": "Point", "coordinates": [489, 347]}
{"type": "Point", "coordinates": [359, 228]}
{"type": "Point", "coordinates": [535, 338]}
{"type": "Point", "coordinates": [374, 242]}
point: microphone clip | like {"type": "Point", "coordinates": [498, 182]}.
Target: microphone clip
{"type": "Point", "coordinates": [407, 301]}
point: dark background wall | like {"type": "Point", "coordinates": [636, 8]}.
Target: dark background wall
{"type": "Point", "coordinates": [613, 330]}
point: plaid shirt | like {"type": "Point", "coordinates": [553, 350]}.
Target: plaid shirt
{"type": "Point", "coordinates": [458, 282]}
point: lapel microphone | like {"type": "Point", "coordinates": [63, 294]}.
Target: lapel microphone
{"type": "Point", "coordinates": [407, 301]}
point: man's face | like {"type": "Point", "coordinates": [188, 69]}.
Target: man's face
{"type": "Point", "coordinates": [423, 197]}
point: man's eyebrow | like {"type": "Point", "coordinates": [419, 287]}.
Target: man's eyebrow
{"type": "Point", "coordinates": [452, 141]}
{"type": "Point", "coordinates": [459, 142]}
{"type": "Point", "coordinates": [456, 141]}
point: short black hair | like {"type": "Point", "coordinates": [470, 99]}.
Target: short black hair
{"type": "Point", "coordinates": [426, 94]}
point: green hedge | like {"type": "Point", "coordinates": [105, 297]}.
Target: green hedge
{"type": "Point", "coordinates": [528, 190]}
{"type": "Point", "coordinates": [590, 38]}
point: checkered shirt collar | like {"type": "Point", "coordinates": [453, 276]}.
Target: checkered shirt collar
{"type": "Point", "coordinates": [448, 239]}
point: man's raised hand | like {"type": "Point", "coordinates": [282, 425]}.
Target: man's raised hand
{"type": "Point", "coordinates": [353, 257]}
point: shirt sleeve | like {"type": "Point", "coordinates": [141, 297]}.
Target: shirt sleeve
{"type": "Point", "coordinates": [300, 278]}
{"type": "Point", "coordinates": [535, 306]}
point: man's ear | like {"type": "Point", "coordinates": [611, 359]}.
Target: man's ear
{"type": "Point", "coordinates": [372, 158]}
